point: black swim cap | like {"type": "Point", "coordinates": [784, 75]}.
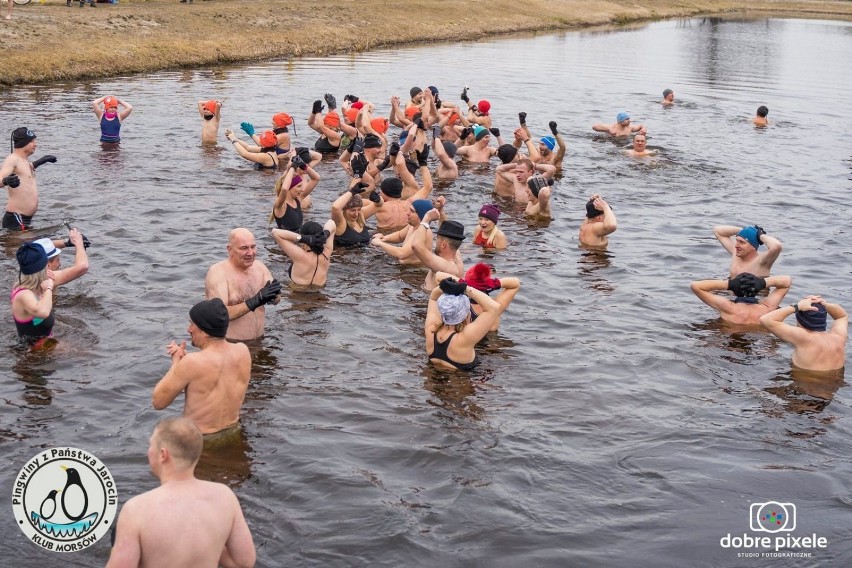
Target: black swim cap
{"type": "Point", "coordinates": [211, 317]}
{"type": "Point", "coordinates": [392, 187]}
{"type": "Point", "coordinates": [449, 148]}
{"type": "Point", "coordinates": [591, 210]}
{"type": "Point", "coordinates": [507, 153]}
{"type": "Point", "coordinates": [372, 141]}
{"type": "Point", "coordinates": [22, 136]}
{"type": "Point", "coordinates": [762, 111]}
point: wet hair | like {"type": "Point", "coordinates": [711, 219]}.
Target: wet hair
{"type": "Point", "coordinates": [591, 210]}
{"type": "Point", "coordinates": [762, 111]}
{"type": "Point", "coordinates": [181, 437]}
{"type": "Point", "coordinates": [354, 201]}
{"type": "Point", "coordinates": [667, 92]}
{"type": "Point", "coordinates": [312, 228]}
{"type": "Point", "coordinates": [528, 163]}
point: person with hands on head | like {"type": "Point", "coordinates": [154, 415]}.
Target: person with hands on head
{"type": "Point", "coordinates": [486, 234]}
{"type": "Point", "coordinates": [110, 118]}
{"type": "Point", "coordinates": [744, 308]}
{"type": "Point", "coordinates": [310, 250]}
{"type": "Point", "coordinates": [264, 156]}
{"type": "Point", "coordinates": [293, 193]}
{"type": "Point", "coordinates": [18, 174]}
{"type": "Point", "coordinates": [351, 227]}
{"type": "Point", "coordinates": [621, 126]}
{"type": "Point", "coordinates": [815, 347]}
{"type": "Point", "coordinates": [210, 112]}
{"type": "Point", "coordinates": [244, 284]}
{"type": "Point", "coordinates": [184, 521]}
{"type": "Point", "coordinates": [404, 253]}
{"type": "Point", "coordinates": [449, 332]}
{"type": "Point", "coordinates": [743, 244]}
{"type": "Point", "coordinates": [518, 173]}
{"type": "Point", "coordinates": [32, 298]}
{"type": "Point", "coordinates": [54, 248]}
{"type": "Point", "coordinates": [214, 379]}
{"type": "Point", "coordinates": [600, 221]}
{"type": "Point", "coordinates": [538, 195]}
{"type": "Point", "coordinates": [480, 276]}
{"type": "Point", "coordinates": [445, 151]}
{"type": "Point", "coordinates": [446, 256]}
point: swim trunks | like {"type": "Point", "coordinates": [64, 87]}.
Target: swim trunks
{"type": "Point", "coordinates": [17, 222]}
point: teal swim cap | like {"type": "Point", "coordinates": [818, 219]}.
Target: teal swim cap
{"type": "Point", "coordinates": [749, 234]}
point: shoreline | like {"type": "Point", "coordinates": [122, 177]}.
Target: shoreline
{"type": "Point", "coordinates": [51, 43]}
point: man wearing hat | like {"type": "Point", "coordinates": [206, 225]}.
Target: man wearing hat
{"type": "Point", "coordinates": [478, 152]}
{"type": "Point", "coordinates": [815, 347]}
{"type": "Point", "coordinates": [446, 257]}
{"type": "Point", "coordinates": [600, 221]}
{"type": "Point", "coordinates": [81, 259]}
{"type": "Point", "coordinates": [214, 379]}
{"type": "Point", "coordinates": [621, 126]}
{"type": "Point", "coordinates": [211, 114]}
{"type": "Point", "coordinates": [743, 244]}
{"type": "Point", "coordinates": [18, 175]}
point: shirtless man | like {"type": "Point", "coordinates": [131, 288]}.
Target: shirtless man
{"type": "Point", "coordinates": [518, 174]}
{"type": "Point", "coordinates": [814, 348]}
{"type": "Point", "coordinates": [538, 194]}
{"type": "Point", "coordinates": [81, 259]}
{"type": "Point", "coordinates": [405, 252]}
{"type": "Point", "coordinates": [244, 284]}
{"type": "Point", "coordinates": [18, 174]}
{"type": "Point", "coordinates": [393, 214]}
{"type": "Point", "coordinates": [446, 257]}
{"type": "Point", "coordinates": [600, 221]}
{"type": "Point", "coordinates": [744, 308]}
{"type": "Point", "coordinates": [477, 113]}
{"type": "Point", "coordinates": [638, 150]}
{"type": "Point", "coordinates": [668, 98]}
{"type": "Point", "coordinates": [185, 522]}
{"type": "Point", "coordinates": [210, 112]}
{"type": "Point", "coordinates": [552, 148]}
{"type": "Point", "coordinates": [215, 379]}
{"type": "Point", "coordinates": [743, 248]}
{"type": "Point", "coordinates": [479, 151]}
{"type": "Point", "coordinates": [760, 119]}
{"type": "Point", "coordinates": [621, 127]}
{"type": "Point", "coordinates": [445, 151]}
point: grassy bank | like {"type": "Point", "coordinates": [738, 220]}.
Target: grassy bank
{"type": "Point", "coordinates": [46, 42]}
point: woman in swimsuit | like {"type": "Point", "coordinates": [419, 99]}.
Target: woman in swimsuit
{"type": "Point", "coordinates": [310, 250]}
{"type": "Point", "coordinates": [263, 156]}
{"type": "Point", "coordinates": [479, 276]}
{"type": "Point", "coordinates": [299, 181]}
{"type": "Point", "coordinates": [333, 133]}
{"type": "Point", "coordinates": [33, 314]}
{"type": "Point", "coordinates": [450, 333]}
{"type": "Point", "coordinates": [346, 212]}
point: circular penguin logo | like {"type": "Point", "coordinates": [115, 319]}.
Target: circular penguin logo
{"type": "Point", "coordinates": [64, 499]}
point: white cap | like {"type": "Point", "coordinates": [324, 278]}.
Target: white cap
{"type": "Point", "coordinates": [48, 247]}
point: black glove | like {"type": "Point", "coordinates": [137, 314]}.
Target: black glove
{"type": "Point", "coordinates": [375, 197]}
{"type": "Point", "coordinates": [494, 131]}
{"type": "Point", "coordinates": [359, 187]}
{"type": "Point", "coordinates": [384, 164]}
{"type": "Point", "coordinates": [359, 163]}
{"type": "Point", "coordinates": [537, 183]}
{"type": "Point", "coordinates": [12, 180]}
{"type": "Point", "coordinates": [552, 125]}
{"type": "Point", "coordinates": [464, 96]}
{"type": "Point", "coordinates": [474, 108]}
{"type": "Point", "coordinates": [452, 287]}
{"type": "Point", "coordinates": [522, 118]}
{"type": "Point", "coordinates": [394, 149]}
{"type": "Point", "coordinates": [43, 160]}
{"type": "Point", "coordinates": [422, 156]}
{"type": "Point", "coordinates": [419, 122]}
{"type": "Point", "coordinates": [267, 294]}
{"type": "Point", "coordinates": [350, 98]}
{"type": "Point", "coordinates": [760, 233]}
{"type": "Point", "coordinates": [759, 284]}
{"type": "Point", "coordinates": [465, 132]}
{"type": "Point", "coordinates": [317, 107]}
{"type": "Point", "coordinates": [438, 102]}
{"type": "Point", "coordinates": [86, 242]}
{"type": "Point", "coordinates": [330, 101]}
{"type": "Point", "coordinates": [304, 153]}
{"type": "Point", "coordinates": [298, 163]}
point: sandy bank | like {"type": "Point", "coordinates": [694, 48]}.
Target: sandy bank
{"type": "Point", "coordinates": [48, 42]}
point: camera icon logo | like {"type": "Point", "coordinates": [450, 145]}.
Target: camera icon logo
{"type": "Point", "coordinates": [772, 517]}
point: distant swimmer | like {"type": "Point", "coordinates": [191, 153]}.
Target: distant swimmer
{"type": "Point", "coordinates": [760, 119]}
{"type": "Point", "coordinates": [744, 308]}
{"type": "Point", "coordinates": [538, 195]}
{"type": "Point", "coordinates": [668, 97]}
{"type": "Point", "coordinates": [621, 126]}
{"type": "Point", "coordinates": [78, 242]}
{"type": "Point", "coordinates": [18, 174]}
{"type": "Point", "coordinates": [639, 150]}
{"type": "Point", "coordinates": [213, 380]}
{"type": "Point", "coordinates": [244, 284]}
{"type": "Point", "coordinates": [211, 115]}
{"type": "Point", "coordinates": [110, 118]}
{"type": "Point", "coordinates": [32, 298]}
{"type": "Point", "coordinates": [814, 347]}
{"type": "Point", "coordinates": [446, 256]}
{"type": "Point", "coordinates": [742, 243]}
{"type": "Point", "coordinates": [600, 221]}
{"type": "Point", "coordinates": [184, 521]}
{"type": "Point", "coordinates": [486, 234]}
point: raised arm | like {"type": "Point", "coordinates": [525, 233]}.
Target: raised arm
{"type": "Point", "coordinates": [81, 261]}
{"type": "Point", "coordinates": [176, 378]}
{"type": "Point", "coordinates": [96, 107]}
{"type": "Point", "coordinates": [128, 108]}
{"type": "Point", "coordinates": [723, 234]}
{"type": "Point", "coordinates": [704, 290]}
{"type": "Point", "coordinates": [773, 247]}
{"type": "Point", "coordinates": [780, 286]}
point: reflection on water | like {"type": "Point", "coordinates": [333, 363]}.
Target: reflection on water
{"type": "Point", "coordinates": [225, 458]}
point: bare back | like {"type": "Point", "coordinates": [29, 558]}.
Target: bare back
{"type": "Point", "coordinates": [393, 215]}
{"type": "Point", "coordinates": [217, 387]}
{"type": "Point", "coordinates": [590, 234]}
{"type": "Point", "coordinates": [819, 350]}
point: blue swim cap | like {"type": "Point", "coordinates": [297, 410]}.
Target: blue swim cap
{"type": "Point", "coordinates": [402, 136]}
{"type": "Point", "coordinates": [749, 234]}
{"type": "Point", "coordinates": [622, 116]}
{"type": "Point", "coordinates": [422, 206]}
{"type": "Point", "coordinates": [550, 142]}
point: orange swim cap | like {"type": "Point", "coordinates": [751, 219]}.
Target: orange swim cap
{"type": "Point", "coordinates": [380, 125]}
{"type": "Point", "coordinates": [332, 119]}
{"type": "Point", "coordinates": [282, 120]}
{"type": "Point", "coordinates": [411, 111]}
{"type": "Point", "coordinates": [454, 118]}
{"type": "Point", "coordinates": [209, 106]}
{"type": "Point", "coordinates": [268, 139]}
{"type": "Point", "coordinates": [351, 115]}
{"type": "Point", "coordinates": [110, 102]}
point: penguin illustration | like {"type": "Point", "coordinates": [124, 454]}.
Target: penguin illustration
{"type": "Point", "coordinates": [48, 506]}
{"type": "Point", "coordinates": [74, 486]}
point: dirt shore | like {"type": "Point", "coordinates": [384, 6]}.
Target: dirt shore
{"type": "Point", "coordinates": [48, 42]}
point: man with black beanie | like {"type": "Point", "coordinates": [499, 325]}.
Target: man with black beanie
{"type": "Point", "coordinates": [18, 175]}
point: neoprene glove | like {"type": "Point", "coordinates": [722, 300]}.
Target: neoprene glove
{"type": "Point", "coordinates": [522, 118]}
{"type": "Point", "coordinates": [759, 284]}
{"type": "Point", "coordinates": [422, 156]}
{"type": "Point", "coordinates": [317, 107]}
{"type": "Point", "coordinates": [359, 187]}
{"type": "Point", "coordinates": [438, 103]}
{"type": "Point", "coordinates": [452, 287]}
{"type": "Point", "coordinates": [464, 96]}
{"type": "Point", "coordinates": [419, 122]}
{"type": "Point", "coordinates": [43, 160]}
{"type": "Point", "coordinates": [330, 101]}
{"type": "Point", "coordinates": [350, 98]}
{"type": "Point", "coordinates": [266, 294]}
{"type": "Point", "coordinates": [247, 127]}
{"type": "Point", "coordinates": [552, 125]}
{"type": "Point", "coordinates": [375, 197]}
{"type": "Point", "coordinates": [298, 163]}
{"type": "Point", "coordinates": [359, 163]}
{"type": "Point", "coordinates": [760, 233]}
{"type": "Point", "coordinates": [12, 180]}
{"type": "Point", "coordinates": [384, 164]}
{"type": "Point", "coordinates": [494, 131]}
{"type": "Point", "coordinates": [394, 150]}
{"type": "Point", "coordinates": [465, 132]}
{"type": "Point", "coordinates": [86, 242]}
{"type": "Point", "coordinates": [304, 153]}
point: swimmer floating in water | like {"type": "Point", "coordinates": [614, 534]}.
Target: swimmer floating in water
{"type": "Point", "coordinates": [760, 119]}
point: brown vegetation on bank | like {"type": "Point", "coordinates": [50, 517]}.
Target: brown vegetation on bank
{"type": "Point", "coordinates": [48, 42]}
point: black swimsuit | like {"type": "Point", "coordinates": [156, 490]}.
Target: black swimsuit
{"type": "Point", "coordinates": [352, 238]}
{"type": "Point", "coordinates": [274, 165]}
{"type": "Point", "coordinates": [439, 352]}
{"type": "Point", "coordinates": [323, 146]}
{"type": "Point", "coordinates": [292, 218]}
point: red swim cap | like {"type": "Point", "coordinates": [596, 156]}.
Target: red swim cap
{"type": "Point", "coordinates": [282, 120]}
{"type": "Point", "coordinates": [209, 106]}
{"type": "Point", "coordinates": [358, 105]}
{"type": "Point", "coordinates": [268, 139]}
{"type": "Point", "coordinates": [332, 119]}
{"type": "Point", "coordinates": [411, 111]}
{"type": "Point", "coordinates": [351, 115]}
{"type": "Point", "coordinates": [380, 125]}
{"type": "Point", "coordinates": [483, 106]}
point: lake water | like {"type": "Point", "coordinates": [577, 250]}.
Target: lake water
{"type": "Point", "coordinates": [613, 419]}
